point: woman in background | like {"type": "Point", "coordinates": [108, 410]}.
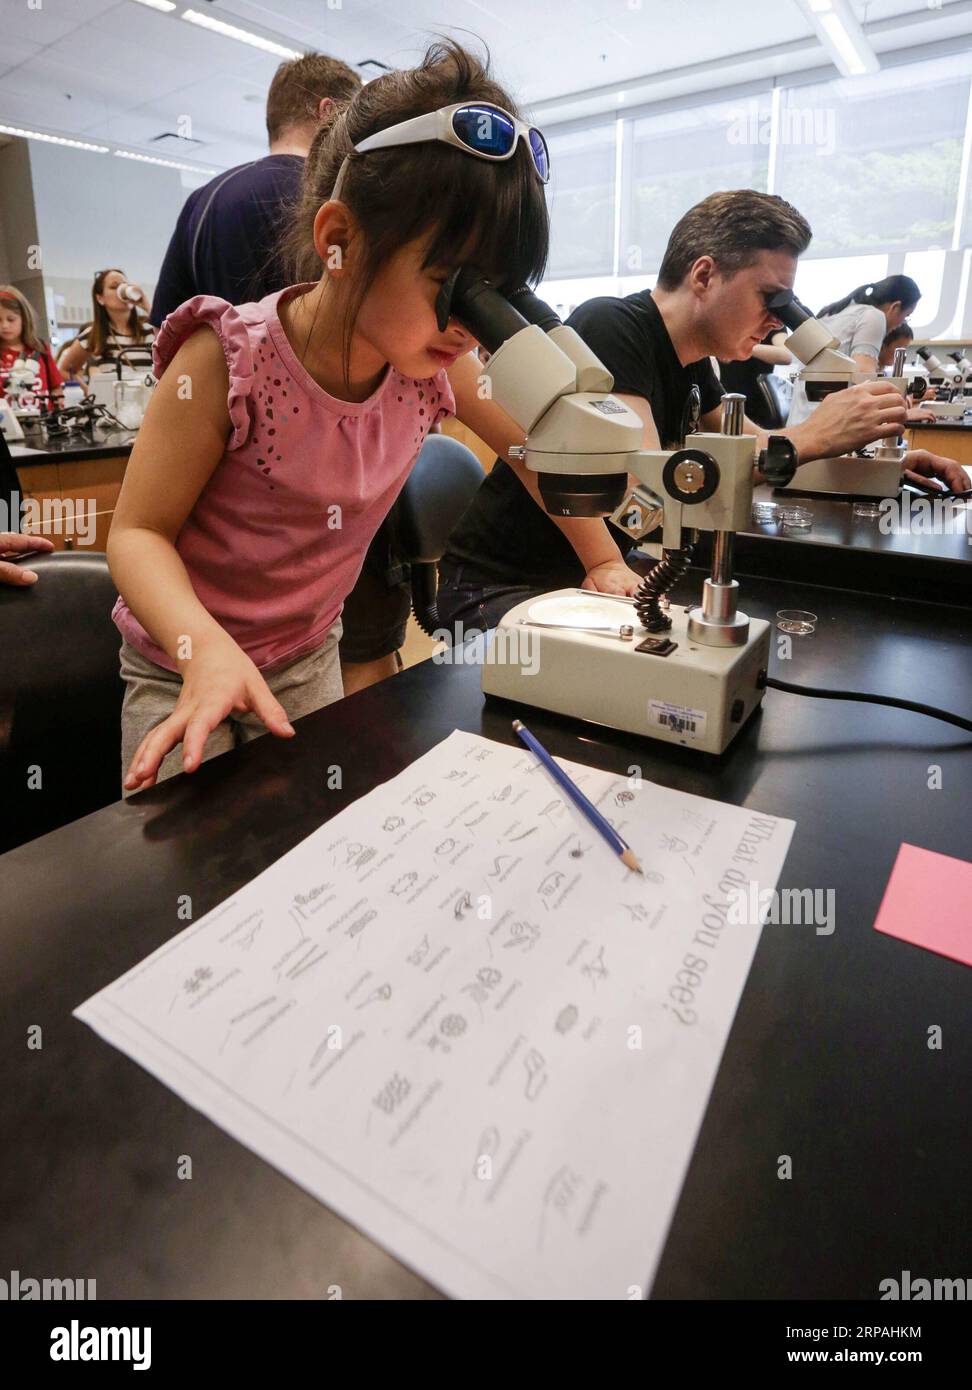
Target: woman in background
{"type": "Point", "coordinates": [119, 329]}
{"type": "Point", "coordinates": [860, 322]}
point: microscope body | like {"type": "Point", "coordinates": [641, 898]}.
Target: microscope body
{"type": "Point", "coordinates": [692, 677]}
{"type": "Point", "coordinates": [825, 370]}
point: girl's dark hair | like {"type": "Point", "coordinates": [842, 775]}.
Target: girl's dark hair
{"type": "Point", "coordinates": [887, 291]}
{"type": "Point", "coordinates": [97, 332]}
{"type": "Point", "coordinates": [904, 331]}
{"type": "Point", "coordinates": [491, 214]}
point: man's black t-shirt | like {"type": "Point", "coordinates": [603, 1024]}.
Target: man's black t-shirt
{"type": "Point", "coordinates": [226, 239]}
{"type": "Point", "coordinates": [504, 536]}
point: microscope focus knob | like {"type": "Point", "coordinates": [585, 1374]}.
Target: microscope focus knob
{"type": "Point", "coordinates": [778, 461]}
{"type": "Point", "coordinates": [690, 476]}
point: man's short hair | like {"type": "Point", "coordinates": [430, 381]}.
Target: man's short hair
{"type": "Point", "coordinates": [299, 86]}
{"type": "Point", "coordinates": [732, 228]}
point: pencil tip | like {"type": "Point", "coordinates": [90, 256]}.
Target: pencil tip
{"type": "Point", "coordinates": [630, 861]}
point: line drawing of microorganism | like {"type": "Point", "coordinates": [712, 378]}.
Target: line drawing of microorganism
{"type": "Point", "coordinates": [464, 904]}
{"type": "Point", "coordinates": [417, 956]}
{"type": "Point", "coordinates": [393, 822]}
{"type": "Point", "coordinates": [549, 885]}
{"type": "Point", "coordinates": [498, 865]}
{"type": "Point", "coordinates": [380, 995]}
{"type": "Point", "coordinates": [197, 979]}
{"type": "Point", "coordinates": [536, 1075]}
{"type": "Point", "coordinates": [596, 969]}
{"type": "Point", "coordinates": [523, 834]}
{"type": "Point", "coordinates": [566, 1018]}
{"type": "Point", "coordinates": [404, 883]}
{"type": "Point", "coordinates": [453, 1026]}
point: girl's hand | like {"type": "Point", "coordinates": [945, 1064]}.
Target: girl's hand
{"type": "Point", "coordinates": [218, 679]}
{"type": "Point", "coordinates": [612, 577]}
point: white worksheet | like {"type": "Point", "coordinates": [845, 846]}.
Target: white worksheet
{"type": "Point", "coordinates": [455, 1017]}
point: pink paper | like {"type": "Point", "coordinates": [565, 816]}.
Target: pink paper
{"type": "Point", "coordinates": [928, 901]}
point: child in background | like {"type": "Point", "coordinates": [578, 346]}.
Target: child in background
{"type": "Point", "coordinates": [278, 438]}
{"type": "Point", "coordinates": [902, 337]}
{"type": "Point", "coordinates": [20, 342]}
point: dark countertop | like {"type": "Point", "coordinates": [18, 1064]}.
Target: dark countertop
{"type": "Point", "coordinates": [919, 549]}
{"type": "Point", "coordinates": [77, 446]}
{"type": "Point", "coordinates": [827, 1060]}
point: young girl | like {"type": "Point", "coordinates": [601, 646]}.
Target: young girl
{"type": "Point", "coordinates": [118, 325]}
{"type": "Point", "coordinates": [281, 432]}
{"type": "Point", "coordinates": [19, 341]}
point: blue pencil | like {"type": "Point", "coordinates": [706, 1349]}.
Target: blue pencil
{"type": "Point", "coordinates": [620, 847]}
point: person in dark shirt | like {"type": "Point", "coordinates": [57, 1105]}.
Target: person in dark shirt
{"type": "Point", "coordinates": [726, 260]}
{"type": "Point", "coordinates": [224, 239]}
{"type": "Point", "coordinates": [743, 377]}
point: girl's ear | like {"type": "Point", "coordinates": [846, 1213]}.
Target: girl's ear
{"type": "Point", "coordinates": [334, 232]}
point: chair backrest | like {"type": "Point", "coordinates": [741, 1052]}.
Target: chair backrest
{"type": "Point", "coordinates": [9, 490]}
{"type": "Point", "coordinates": [60, 695]}
{"type": "Point", "coordinates": [443, 481]}
{"type": "Point", "coordinates": [777, 393]}
{"type": "Point", "coordinates": [440, 487]}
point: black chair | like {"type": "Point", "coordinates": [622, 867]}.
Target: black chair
{"type": "Point", "coordinates": [776, 393]}
{"type": "Point", "coordinates": [440, 487]}
{"type": "Point", "coordinates": [60, 695]}
{"type": "Point", "coordinates": [9, 490]}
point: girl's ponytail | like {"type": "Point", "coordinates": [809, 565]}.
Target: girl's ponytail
{"type": "Point", "coordinates": [892, 289]}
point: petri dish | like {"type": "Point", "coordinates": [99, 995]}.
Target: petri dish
{"type": "Point", "coordinates": [870, 507]}
{"type": "Point", "coordinates": [796, 621]}
{"type": "Point", "coordinates": [765, 511]}
{"type": "Point", "coordinates": [796, 518]}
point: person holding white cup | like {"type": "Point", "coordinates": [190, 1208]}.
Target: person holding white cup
{"type": "Point", "coordinates": [119, 330]}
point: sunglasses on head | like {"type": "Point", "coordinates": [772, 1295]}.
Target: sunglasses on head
{"type": "Point", "coordinates": [476, 127]}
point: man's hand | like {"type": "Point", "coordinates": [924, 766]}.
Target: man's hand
{"type": "Point", "coordinates": [13, 543]}
{"type": "Point", "coordinates": [613, 577]}
{"type": "Point", "coordinates": [849, 419]}
{"type": "Point", "coordinates": [921, 465]}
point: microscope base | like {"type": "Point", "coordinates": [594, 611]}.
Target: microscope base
{"type": "Point", "coordinates": [699, 697]}
{"type": "Point", "coordinates": [847, 477]}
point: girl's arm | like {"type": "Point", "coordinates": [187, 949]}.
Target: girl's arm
{"type": "Point", "coordinates": [178, 447]}
{"type": "Point", "coordinates": [603, 562]}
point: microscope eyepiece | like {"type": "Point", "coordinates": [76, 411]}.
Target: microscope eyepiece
{"type": "Point", "coordinates": [789, 310]}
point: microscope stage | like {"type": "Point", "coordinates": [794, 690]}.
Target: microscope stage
{"type": "Point", "coordinates": [697, 696]}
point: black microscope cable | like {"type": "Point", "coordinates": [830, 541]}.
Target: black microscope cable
{"type": "Point", "coordinates": [930, 710]}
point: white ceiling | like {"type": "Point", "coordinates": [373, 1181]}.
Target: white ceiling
{"type": "Point", "coordinates": [116, 71]}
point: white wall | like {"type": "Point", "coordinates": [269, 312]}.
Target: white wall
{"type": "Point", "coordinates": [95, 211]}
